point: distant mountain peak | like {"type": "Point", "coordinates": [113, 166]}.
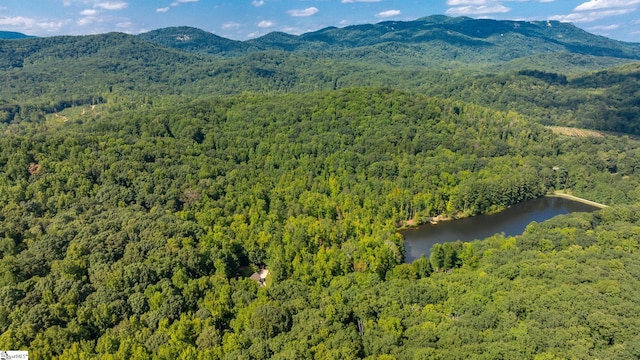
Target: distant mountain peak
{"type": "Point", "coordinates": [193, 40]}
{"type": "Point", "coordinates": [11, 35]}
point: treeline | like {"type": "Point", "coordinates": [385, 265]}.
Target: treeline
{"type": "Point", "coordinates": [128, 231]}
{"type": "Point", "coordinates": [38, 112]}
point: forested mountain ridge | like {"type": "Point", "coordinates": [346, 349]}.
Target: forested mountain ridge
{"type": "Point", "coordinates": [438, 41]}
{"type": "Point", "coordinates": [110, 46]}
{"type": "Point", "coordinates": [458, 39]}
{"type": "Point", "coordinates": [45, 75]}
{"type": "Point", "coordinates": [10, 35]}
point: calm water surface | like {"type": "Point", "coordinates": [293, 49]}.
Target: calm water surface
{"type": "Point", "coordinates": [511, 221]}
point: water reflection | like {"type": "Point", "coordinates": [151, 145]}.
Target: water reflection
{"type": "Point", "coordinates": [511, 222]}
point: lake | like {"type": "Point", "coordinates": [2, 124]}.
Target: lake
{"type": "Point", "coordinates": [512, 221]}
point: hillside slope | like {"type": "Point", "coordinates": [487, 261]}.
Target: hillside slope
{"type": "Point", "coordinates": [429, 40]}
{"type": "Point", "coordinates": [604, 100]}
{"type": "Point", "coordinates": [11, 35]}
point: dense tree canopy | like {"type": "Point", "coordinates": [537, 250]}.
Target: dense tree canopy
{"type": "Point", "coordinates": [127, 231]}
{"type": "Point", "coordinates": [141, 186]}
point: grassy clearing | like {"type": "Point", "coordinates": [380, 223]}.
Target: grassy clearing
{"type": "Point", "coordinates": [575, 132]}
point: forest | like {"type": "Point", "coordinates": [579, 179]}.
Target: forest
{"type": "Point", "coordinates": [138, 196]}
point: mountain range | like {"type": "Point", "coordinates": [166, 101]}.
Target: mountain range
{"type": "Point", "coordinates": [438, 55]}
{"type": "Point", "coordinates": [459, 39]}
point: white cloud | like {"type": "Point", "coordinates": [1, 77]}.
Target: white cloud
{"type": "Point", "coordinates": [118, 5]}
{"type": "Point", "coordinates": [265, 24]}
{"type": "Point", "coordinates": [86, 21]}
{"type": "Point", "coordinates": [50, 25]}
{"type": "Point", "coordinates": [356, 1]}
{"type": "Point", "coordinates": [231, 25]}
{"type": "Point", "coordinates": [593, 10]}
{"type": "Point", "coordinates": [306, 12]}
{"type": "Point", "coordinates": [291, 30]}
{"type": "Point", "coordinates": [606, 4]}
{"type": "Point", "coordinates": [257, 2]}
{"type": "Point", "coordinates": [478, 10]}
{"type": "Point", "coordinates": [17, 21]}
{"type": "Point", "coordinates": [588, 16]}
{"type": "Point", "coordinates": [388, 13]}
{"type": "Point", "coordinates": [174, 4]}
{"type": "Point", "coordinates": [480, 7]}
{"type": "Point", "coordinates": [89, 12]}
{"type": "Point", "coordinates": [125, 26]}
{"type": "Point", "coordinates": [604, 27]}
{"type": "Point", "coordinates": [467, 2]}
{"type": "Point", "coordinates": [29, 24]}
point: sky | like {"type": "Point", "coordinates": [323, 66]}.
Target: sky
{"type": "Point", "coordinates": [246, 19]}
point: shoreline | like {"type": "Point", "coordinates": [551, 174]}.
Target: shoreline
{"type": "Point", "coordinates": [578, 199]}
{"type": "Point", "coordinates": [413, 224]}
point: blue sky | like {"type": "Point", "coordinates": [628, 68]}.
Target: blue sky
{"type": "Point", "coordinates": [245, 19]}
